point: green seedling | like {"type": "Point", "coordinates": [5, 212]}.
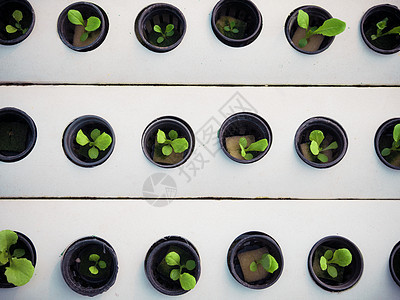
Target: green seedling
{"type": "Point", "coordinates": [341, 257]}
{"type": "Point", "coordinates": [100, 142]}
{"type": "Point", "coordinates": [17, 15]}
{"type": "Point", "coordinates": [178, 145]}
{"type": "Point", "coordinates": [258, 146]}
{"type": "Point", "coordinates": [267, 261]}
{"type": "Point", "coordinates": [316, 138]}
{"type": "Point", "coordinates": [90, 25]}
{"type": "Point", "coordinates": [330, 27]}
{"type": "Point", "coordinates": [382, 25]}
{"type": "Point", "coordinates": [19, 270]}
{"type": "Point", "coordinates": [231, 27]}
{"type": "Point", "coordinates": [396, 142]}
{"type": "Point", "coordinates": [186, 280]}
{"type": "Point", "coordinates": [98, 263]}
{"type": "Point", "coordinates": [169, 31]}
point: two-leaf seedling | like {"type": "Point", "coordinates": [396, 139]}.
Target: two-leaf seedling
{"type": "Point", "coordinates": [186, 280]}
{"type": "Point", "coordinates": [178, 145]}
{"type": "Point", "coordinates": [98, 263]}
{"type": "Point", "coordinates": [17, 15]}
{"type": "Point", "coordinates": [169, 31]}
{"type": "Point", "coordinates": [20, 270]}
{"type": "Point", "coordinates": [267, 261]}
{"type": "Point", "coordinates": [396, 142]}
{"type": "Point", "coordinates": [231, 27]}
{"type": "Point", "coordinates": [341, 257]}
{"type": "Point", "coordinates": [100, 142]}
{"type": "Point", "coordinates": [258, 146]}
{"type": "Point", "coordinates": [330, 27]}
{"type": "Point", "coordinates": [316, 138]}
{"type": "Point", "coordinates": [90, 25]}
{"type": "Point", "coordinates": [382, 25]}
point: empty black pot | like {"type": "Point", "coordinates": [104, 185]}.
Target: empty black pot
{"type": "Point", "coordinates": [66, 29]}
{"type": "Point", "coordinates": [330, 128]}
{"type": "Point", "coordinates": [388, 44]}
{"type": "Point", "coordinates": [384, 139]}
{"type": "Point", "coordinates": [317, 17]}
{"type": "Point", "coordinates": [244, 124]}
{"type": "Point", "coordinates": [249, 19]}
{"type": "Point", "coordinates": [249, 241]}
{"type": "Point", "coordinates": [79, 154]}
{"type": "Point", "coordinates": [154, 264]}
{"type": "Point", "coordinates": [7, 7]}
{"type": "Point", "coordinates": [394, 263]}
{"type": "Point", "coordinates": [160, 14]}
{"type": "Point", "coordinates": [352, 273]}
{"type": "Point", "coordinates": [75, 266]}
{"type": "Point", "coordinates": [17, 134]}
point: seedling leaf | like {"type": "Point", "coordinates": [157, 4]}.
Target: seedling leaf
{"type": "Point", "coordinates": [95, 134]}
{"type": "Point", "coordinates": [17, 15]}
{"type": "Point", "coordinates": [166, 150]}
{"type": "Point", "coordinates": [332, 271]}
{"type": "Point", "coordinates": [227, 28]}
{"type": "Point", "coordinates": [160, 40]}
{"type": "Point", "coordinates": [103, 141]}
{"type": "Point", "coordinates": [173, 135]}
{"type": "Point", "coordinates": [84, 36]}
{"type": "Point", "coordinates": [94, 257]}
{"type": "Point", "coordinates": [170, 33]}
{"type": "Point", "coordinates": [273, 264]}
{"type": "Point", "coordinates": [386, 152]}
{"type": "Point", "coordinates": [81, 138]}
{"type": "Point", "coordinates": [75, 17]}
{"type": "Point", "coordinates": [20, 271]}
{"type": "Point", "coordinates": [323, 263]}
{"type": "Point", "coordinates": [243, 142]}
{"type": "Point", "coordinates": [235, 30]}
{"type": "Point", "coordinates": [331, 146]}
{"type": "Point", "coordinates": [7, 238]}
{"type": "Point", "coordinates": [174, 275]}
{"type": "Point", "coordinates": [169, 28]}
{"type": "Point", "coordinates": [172, 259]}
{"type": "Point", "coordinates": [190, 264]}
{"type": "Point", "coordinates": [260, 145]}
{"type": "Point", "coordinates": [396, 131]}
{"type": "Point", "coordinates": [322, 157]}
{"type": "Point", "coordinates": [317, 136]}
{"type": "Point", "coordinates": [303, 42]}
{"type": "Point", "coordinates": [242, 151]}
{"type": "Point", "coordinates": [314, 148]}
{"type": "Point", "coordinates": [331, 27]}
{"type": "Point", "coordinates": [18, 253]}
{"type": "Point", "coordinates": [157, 28]}
{"type": "Point", "coordinates": [303, 19]}
{"type": "Point", "coordinates": [248, 156]}
{"type": "Point", "coordinates": [161, 138]}
{"type": "Point", "coordinates": [253, 266]}
{"type": "Point", "coordinates": [93, 270]}
{"type": "Point", "coordinates": [342, 257]}
{"type": "Point", "coordinates": [328, 254]}
{"type": "Point", "coordinates": [394, 30]}
{"type": "Point", "coordinates": [187, 281]}
{"type": "Point", "coordinates": [93, 152]}
{"type": "Point", "coordinates": [102, 264]}
{"type": "Point", "coordinates": [265, 261]}
{"type": "Point", "coordinates": [11, 29]}
{"type": "Point", "coordinates": [180, 145]}
{"type": "Point", "coordinates": [93, 23]}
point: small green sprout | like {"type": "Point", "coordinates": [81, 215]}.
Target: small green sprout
{"type": "Point", "coordinates": [341, 257]}
{"type": "Point", "coordinates": [382, 25]}
{"type": "Point", "coordinates": [267, 261]}
{"type": "Point", "coordinates": [231, 27]}
{"type": "Point", "coordinates": [258, 146]}
{"type": "Point", "coordinates": [331, 27]}
{"type": "Point", "coordinates": [100, 142]}
{"type": "Point", "coordinates": [316, 138]}
{"type": "Point", "coordinates": [186, 280]}
{"type": "Point", "coordinates": [169, 31]}
{"type": "Point", "coordinates": [90, 25]}
{"type": "Point", "coordinates": [20, 270]}
{"type": "Point", "coordinates": [178, 145]}
{"type": "Point", "coordinates": [100, 263]}
{"type": "Point", "coordinates": [396, 142]}
{"type": "Point", "coordinates": [17, 15]}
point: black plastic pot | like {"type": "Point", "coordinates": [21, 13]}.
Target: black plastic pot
{"type": "Point", "coordinates": [383, 139]}
{"type": "Point", "coordinates": [251, 241]}
{"type": "Point", "coordinates": [7, 7]}
{"type": "Point", "coordinates": [330, 128]}
{"type": "Point", "coordinates": [155, 261]}
{"type": "Point", "coordinates": [75, 266]}
{"type": "Point", "coordinates": [242, 124]}
{"type": "Point", "coordinates": [78, 154]}
{"type": "Point", "coordinates": [160, 14]}
{"type": "Point", "coordinates": [66, 29]}
{"type": "Point", "coordinates": [20, 129]}
{"type": "Point", "coordinates": [242, 10]}
{"type": "Point", "coordinates": [166, 124]}
{"type": "Point", "coordinates": [352, 273]}
{"type": "Point", "coordinates": [387, 44]}
{"type": "Point", "coordinates": [25, 243]}
{"type": "Point", "coordinates": [394, 263]}
{"type": "Point", "coordinates": [317, 17]}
